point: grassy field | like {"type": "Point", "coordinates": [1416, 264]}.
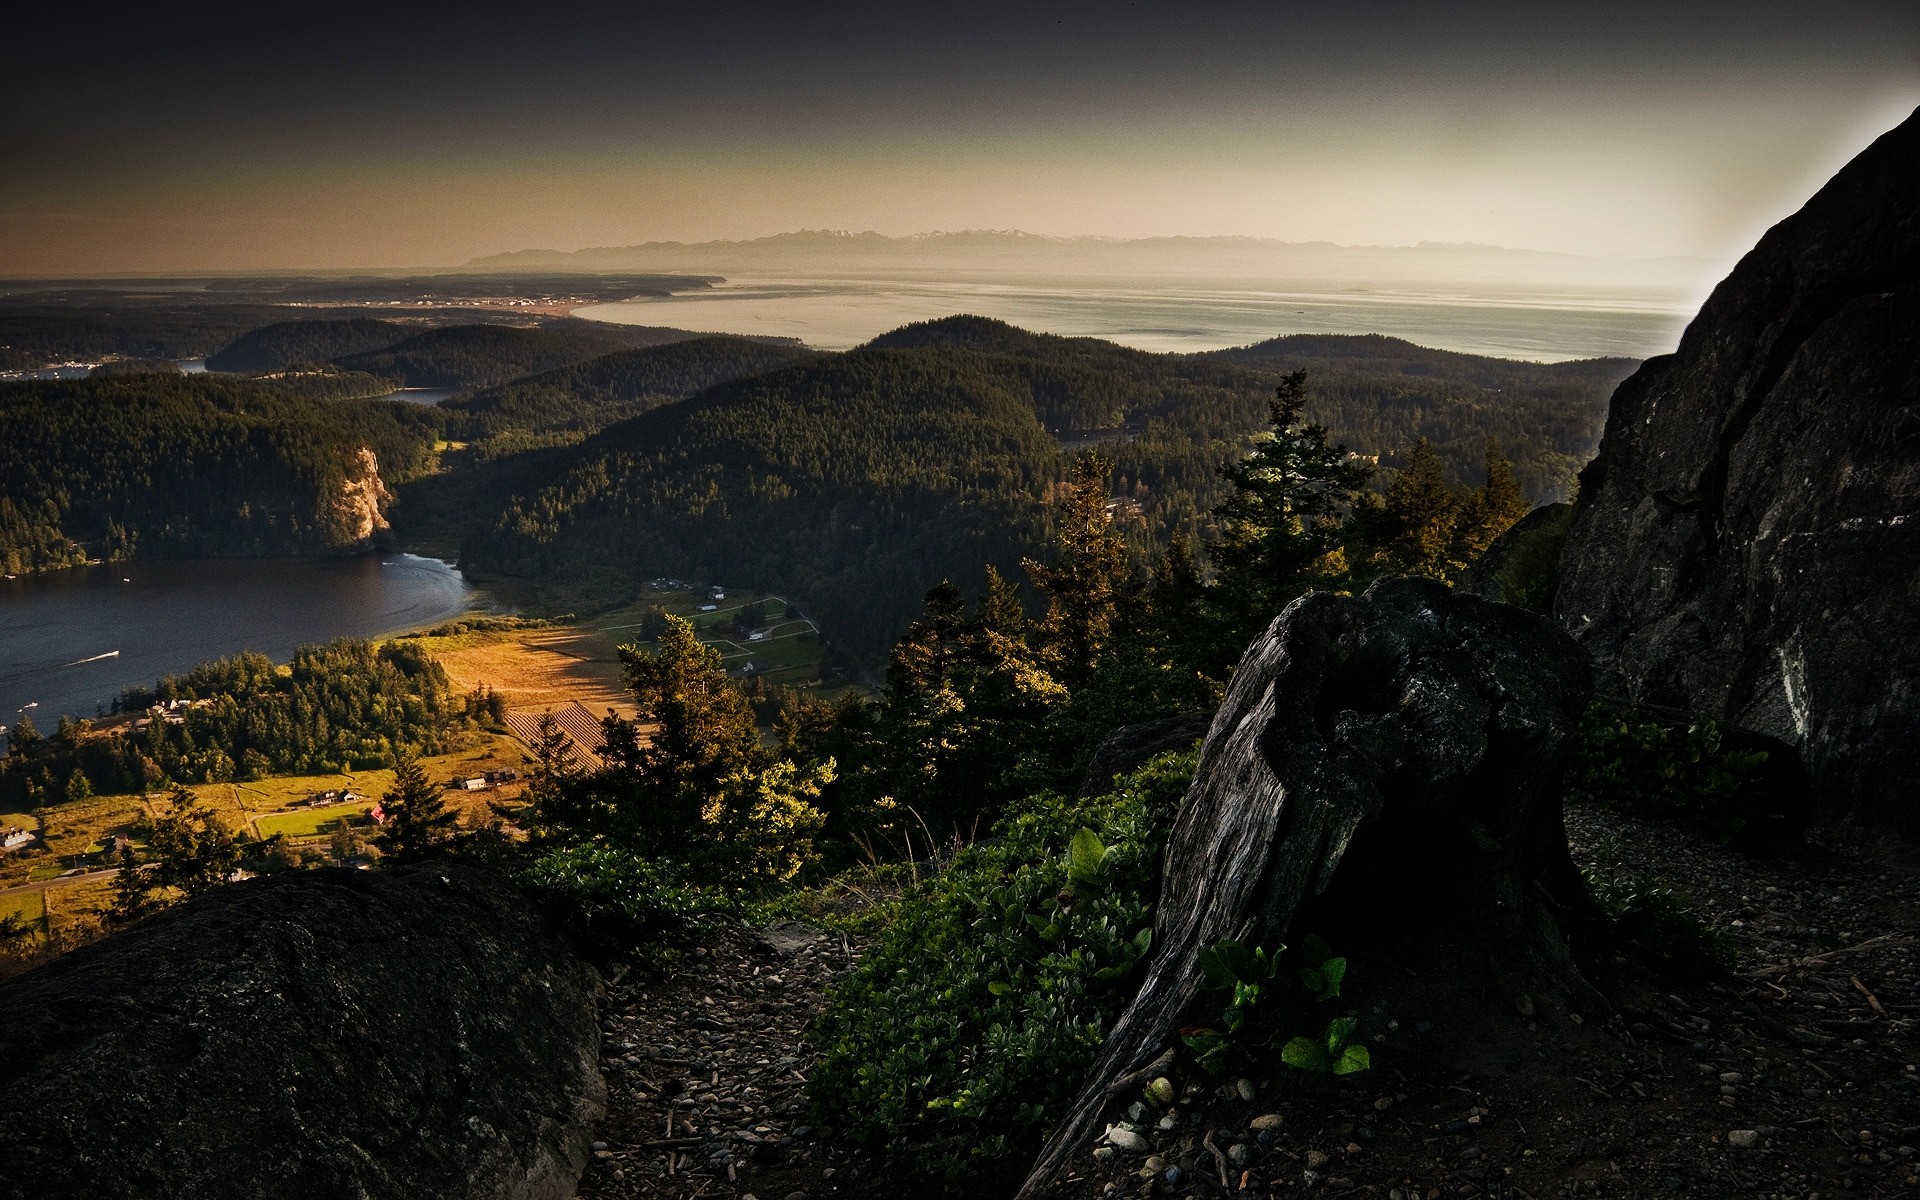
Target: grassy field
{"type": "Point", "coordinates": [308, 822]}
{"type": "Point", "coordinates": [30, 907]}
{"type": "Point", "coordinates": [77, 903]}
{"type": "Point", "coordinates": [552, 667]}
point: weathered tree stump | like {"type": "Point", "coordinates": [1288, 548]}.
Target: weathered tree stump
{"type": "Point", "coordinates": [1387, 758]}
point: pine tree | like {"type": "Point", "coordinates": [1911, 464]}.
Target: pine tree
{"type": "Point", "coordinates": [552, 794]}
{"type": "Point", "coordinates": [191, 849]}
{"type": "Point", "coordinates": [415, 818]}
{"type": "Point", "coordinates": [1418, 517]}
{"type": "Point", "coordinates": [1281, 528]}
{"type": "Point", "coordinates": [1491, 509]}
{"type": "Point", "coordinates": [132, 891]}
{"type": "Point", "coordinates": [1085, 584]}
{"type": "Point", "coordinates": [703, 734]}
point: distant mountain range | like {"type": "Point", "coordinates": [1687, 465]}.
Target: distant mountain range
{"type": "Point", "coordinates": [1004, 252]}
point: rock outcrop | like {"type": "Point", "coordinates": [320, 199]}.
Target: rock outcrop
{"type": "Point", "coordinates": [1129, 748]}
{"type": "Point", "coordinates": [336, 1033]}
{"type": "Point", "coordinates": [1406, 742]}
{"type": "Point", "coordinates": [1747, 544]}
{"type": "Point", "coordinates": [358, 512]}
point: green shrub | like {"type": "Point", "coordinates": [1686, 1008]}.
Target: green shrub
{"type": "Point", "coordinates": [1683, 772]}
{"type": "Point", "coordinates": [969, 1023]}
{"type": "Point", "coordinates": [1649, 912]}
{"type": "Point", "coordinates": [610, 895]}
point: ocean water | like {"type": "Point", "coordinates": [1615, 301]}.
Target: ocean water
{"type": "Point", "coordinates": [1532, 323]}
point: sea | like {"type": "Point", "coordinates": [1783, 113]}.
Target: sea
{"type": "Point", "coordinates": [1538, 324]}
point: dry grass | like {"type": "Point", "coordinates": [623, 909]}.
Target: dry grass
{"type": "Point", "coordinates": [537, 668]}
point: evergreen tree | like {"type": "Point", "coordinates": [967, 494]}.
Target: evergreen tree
{"type": "Point", "coordinates": [702, 735]}
{"type": "Point", "coordinates": [552, 793]}
{"type": "Point", "coordinates": [132, 891]}
{"type": "Point", "coordinates": [1492, 509]}
{"type": "Point", "coordinates": [1417, 518]}
{"type": "Point", "coordinates": [1280, 531]}
{"type": "Point", "coordinates": [191, 849]}
{"type": "Point", "coordinates": [415, 818]}
{"type": "Point", "coordinates": [1084, 585]}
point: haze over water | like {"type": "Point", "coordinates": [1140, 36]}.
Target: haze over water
{"type": "Point", "coordinates": [836, 313]}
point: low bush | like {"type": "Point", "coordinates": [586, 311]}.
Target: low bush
{"type": "Point", "coordinates": [1681, 771]}
{"type": "Point", "coordinates": [610, 896]}
{"type": "Point", "coordinates": [1651, 914]}
{"type": "Point", "coordinates": [969, 1023]}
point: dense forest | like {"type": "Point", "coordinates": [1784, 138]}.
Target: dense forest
{"type": "Point", "coordinates": [192, 465]}
{"type": "Point", "coordinates": [837, 480]}
{"type": "Point", "coordinates": [473, 356]}
{"type": "Point", "coordinates": [592, 395]}
{"type": "Point", "coordinates": [299, 343]}
{"type": "Point", "coordinates": [843, 480]}
{"type": "Point", "coordinates": [343, 706]}
{"type": "Point", "coordinates": [35, 335]}
{"type": "Point", "coordinates": [846, 480]}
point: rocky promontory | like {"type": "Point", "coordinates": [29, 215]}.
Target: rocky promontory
{"type": "Point", "coordinates": [336, 1033]}
{"type": "Point", "coordinates": [1747, 544]}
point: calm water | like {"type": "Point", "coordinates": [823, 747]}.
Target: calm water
{"type": "Point", "coordinates": [168, 616]}
{"type": "Point", "coordinates": [1162, 315]}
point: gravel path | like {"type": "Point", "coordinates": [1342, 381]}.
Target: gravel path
{"type": "Point", "coordinates": [706, 1065]}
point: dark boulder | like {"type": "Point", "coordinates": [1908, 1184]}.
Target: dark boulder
{"type": "Point", "coordinates": [366, 1034]}
{"type": "Point", "coordinates": [1522, 565]}
{"type": "Point", "coordinates": [1747, 544]}
{"type": "Point", "coordinates": [1394, 761]}
{"type": "Point", "coordinates": [1129, 747]}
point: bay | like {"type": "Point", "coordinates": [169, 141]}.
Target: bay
{"type": "Point", "coordinates": [60, 631]}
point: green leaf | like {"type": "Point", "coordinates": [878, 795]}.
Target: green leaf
{"type": "Point", "coordinates": [1217, 967]}
{"type": "Point", "coordinates": [1000, 987]}
{"type": "Point", "coordinates": [1352, 1059]}
{"type": "Point", "coordinates": [1332, 972]}
{"type": "Point", "coordinates": [1086, 858]}
{"type": "Point", "coordinates": [1338, 1031]}
{"type": "Point", "coordinates": [1306, 1054]}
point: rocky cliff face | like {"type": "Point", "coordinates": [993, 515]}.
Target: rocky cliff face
{"type": "Point", "coordinates": [1747, 543]}
{"type": "Point", "coordinates": [336, 1033]}
{"type": "Point", "coordinates": [359, 508]}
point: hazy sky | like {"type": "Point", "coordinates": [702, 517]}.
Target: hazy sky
{"type": "Point", "coordinates": [208, 139]}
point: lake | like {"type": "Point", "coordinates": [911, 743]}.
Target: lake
{"type": "Point", "coordinates": [58, 631]}
{"type": "Point", "coordinates": [1184, 316]}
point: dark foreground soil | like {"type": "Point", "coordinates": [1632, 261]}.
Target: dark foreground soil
{"type": "Point", "coordinates": [1794, 1073]}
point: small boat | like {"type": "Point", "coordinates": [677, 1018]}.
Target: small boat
{"type": "Point", "coordinates": [29, 704]}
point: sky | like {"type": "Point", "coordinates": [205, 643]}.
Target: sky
{"type": "Point", "coordinates": [200, 139]}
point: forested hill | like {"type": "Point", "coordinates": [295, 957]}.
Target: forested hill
{"type": "Point", "coordinates": [476, 356]}
{"type": "Point", "coordinates": [602, 391]}
{"type": "Point", "coordinates": [850, 482]}
{"type": "Point", "coordinates": [295, 343]}
{"type": "Point", "coordinates": [1381, 394]}
{"type": "Point", "coordinates": [35, 335]}
{"type": "Point", "coordinates": [193, 465]}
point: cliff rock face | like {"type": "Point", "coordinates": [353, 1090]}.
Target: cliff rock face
{"type": "Point", "coordinates": [397, 1033]}
{"type": "Point", "coordinates": [1747, 544]}
{"type": "Point", "coordinates": [359, 508]}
